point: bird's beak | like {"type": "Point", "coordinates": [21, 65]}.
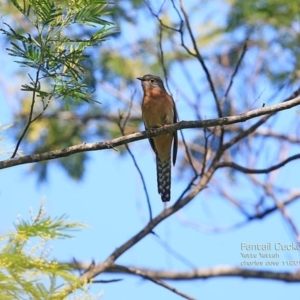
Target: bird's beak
{"type": "Point", "coordinates": [140, 78]}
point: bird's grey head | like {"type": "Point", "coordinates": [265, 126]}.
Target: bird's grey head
{"type": "Point", "coordinates": [151, 82]}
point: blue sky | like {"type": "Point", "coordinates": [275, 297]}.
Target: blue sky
{"type": "Point", "coordinates": [111, 201]}
{"type": "Point", "coordinates": [112, 206]}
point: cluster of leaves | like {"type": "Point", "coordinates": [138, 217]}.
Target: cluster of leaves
{"type": "Point", "coordinates": [53, 49]}
{"type": "Point", "coordinates": [57, 57]}
{"type": "Point", "coordinates": [25, 270]}
{"type": "Point", "coordinates": [274, 28]}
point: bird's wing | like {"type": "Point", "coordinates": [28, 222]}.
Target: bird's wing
{"type": "Point", "coordinates": [152, 145]}
{"type": "Point", "coordinates": [175, 135]}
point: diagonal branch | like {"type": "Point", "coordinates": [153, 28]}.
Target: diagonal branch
{"type": "Point", "coordinates": [146, 134]}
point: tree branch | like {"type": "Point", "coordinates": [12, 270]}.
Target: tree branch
{"type": "Point", "coordinates": [146, 134]}
{"type": "Point", "coordinates": [218, 271]}
{"type": "Point", "coordinates": [257, 171]}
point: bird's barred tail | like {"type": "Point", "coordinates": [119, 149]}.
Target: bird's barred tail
{"type": "Point", "coordinates": [164, 179]}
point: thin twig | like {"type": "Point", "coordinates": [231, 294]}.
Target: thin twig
{"type": "Point", "coordinates": [36, 83]}
{"type": "Point", "coordinates": [269, 190]}
{"type": "Point", "coordinates": [205, 152]}
{"type": "Point", "coordinates": [107, 281]}
{"type": "Point", "coordinates": [236, 69]}
{"type": "Point", "coordinates": [158, 282]}
{"type": "Point", "coordinates": [161, 52]}
{"type": "Point", "coordinates": [135, 163]}
{"type": "Point", "coordinates": [188, 155]}
{"type": "Point", "coordinates": [258, 171]}
{"type": "Point", "coordinates": [258, 215]}
{"type": "Point", "coordinates": [198, 55]}
{"type": "Point", "coordinates": [162, 58]}
{"type": "Point", "coordinates": [173, 252]}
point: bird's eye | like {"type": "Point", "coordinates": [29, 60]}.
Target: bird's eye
{"type": "Point", "coordinates": [151, 80]}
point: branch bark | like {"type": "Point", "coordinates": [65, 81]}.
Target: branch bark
{"type": "Point", "coordinates": [146, 134]}
{"type": "Point", "coordinates": [217, 271]}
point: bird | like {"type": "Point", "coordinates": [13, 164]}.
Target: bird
{"type": "Point", "coordinates": [158, 110]}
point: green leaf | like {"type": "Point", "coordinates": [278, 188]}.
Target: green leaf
{"type": "Point", "coordinates": [25, 271]}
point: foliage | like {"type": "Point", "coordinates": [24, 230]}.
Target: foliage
{"type": "Point", "coordinates": [270, 23]}
{"type": "Point", "coordinates": [54, 52]}
{"type": "Point", "coordinates": [25, 270]}
{"type": "Point", "coordinates": [57, 57]}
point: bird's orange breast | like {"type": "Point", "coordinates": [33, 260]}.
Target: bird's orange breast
{"type": "Point", "coordinates": [157, 109]}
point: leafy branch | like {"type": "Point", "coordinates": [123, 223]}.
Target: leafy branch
{"type": "Point", "coordinates": [26, 271]}
{"type": "Point", "coordinates": [56, 57]}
